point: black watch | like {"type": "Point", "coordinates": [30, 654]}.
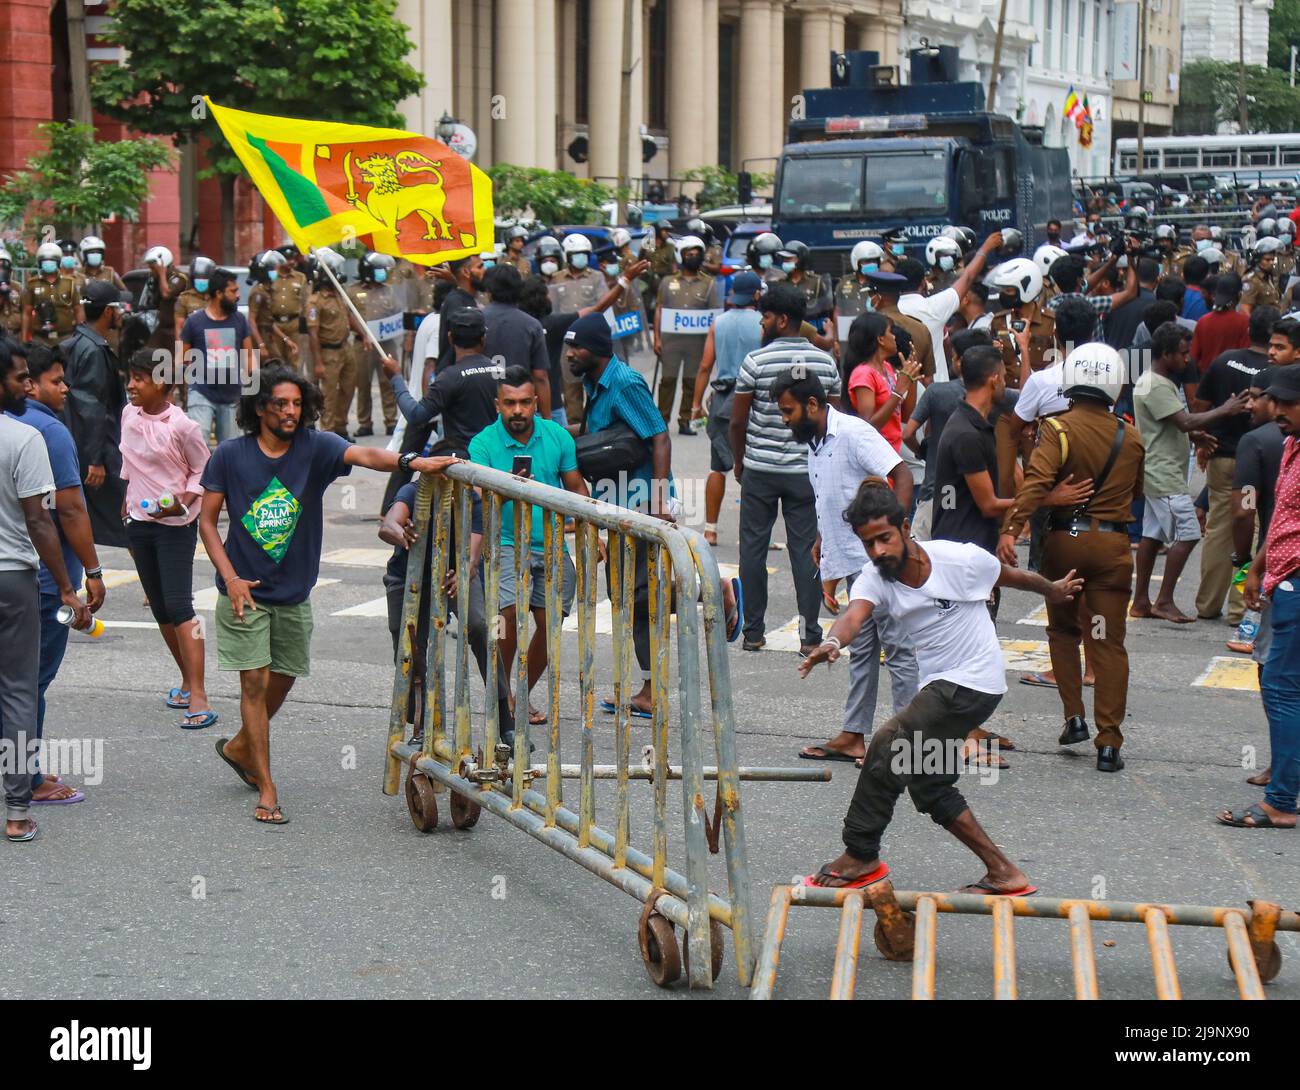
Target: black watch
{"type": "Point", "coordinates": [1238, 560]}
{"type": "Point", "coordinates": [406, 459]}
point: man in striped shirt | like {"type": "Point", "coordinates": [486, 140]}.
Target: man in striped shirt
{"type": "Point", "coordinates": [772, 466]}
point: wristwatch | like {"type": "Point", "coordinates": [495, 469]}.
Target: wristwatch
{"type": "Point", "coordinates": [406, 459]}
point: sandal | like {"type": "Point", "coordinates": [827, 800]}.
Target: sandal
{"type": "Point", "coordinates": [825, 754]}
{"type": "Point", "coordinates": [24, 838]}
{"type": "Point", "coordinates": [277, 816]}
{"type": "Point", "coordinates": [607, 706]}
{"type": "Point", "coordinates": [178, 698]}
{"type": "Point", "coordinates": [67, 800]}
{"type": "Point", "coordinates": [239, 771]}
{"type": "Point", "coordinates": [862, 881]}
{"type": "Point", "coordinates": [197, 720]}
{"type": "Point", "coordinates": [1253, 816]}
{"type": "Point", "coordinates": [734, 619]}
{"type": "Point", "coordinates": [986, 890]}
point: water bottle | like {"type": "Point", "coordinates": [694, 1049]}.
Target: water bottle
{"type": "Point", "coordinates": [162, 503]}
{"type": "Point", "coordinates": [65, 615]}
{"type": "Point", "coordinates": [1248, 629]}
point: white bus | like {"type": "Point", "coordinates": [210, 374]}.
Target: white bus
{"type": "Point", "coordinates": [1272, 154]}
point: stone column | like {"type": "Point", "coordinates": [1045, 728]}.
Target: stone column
{"type": "Point", "coordinates": [709, 78]}
{"type": "Point", "coordinates": [431, 30]}
{"type": "Point", "coordinates": [815, 49]}
{"type": "Point", "coordinates": [545, 108]}
{"type": "Point", "coordinates": [604, 78]}
{"type": "Point", "coordinates": [636, 107]}
{"type": "Point", "coordinates": [478, 110]}
{"type": "Point", "coordinates": [514, 120]}
{"type": "Point", "coordinates": [754, 93]}
{"type": "Point", "coordinates": [685, 90]}
{"type": "Point", "coordinates": [837, 33]}
{"type": "Point", "coordinates": [780, 108]}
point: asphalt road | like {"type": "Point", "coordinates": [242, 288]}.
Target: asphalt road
{"type": "Point", "coordinates": [162, 885]}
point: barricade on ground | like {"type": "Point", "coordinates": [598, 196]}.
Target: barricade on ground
{"type": "Point", "coordinates": [907, 930]}
{"type": "Point", "coordinates": [486, 774]}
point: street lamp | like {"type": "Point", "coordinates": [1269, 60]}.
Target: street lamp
{"type": "Point", "coordinates": [446, 127]}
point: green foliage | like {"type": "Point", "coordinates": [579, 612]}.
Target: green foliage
{"type": "Point", "coordinates": [720, 186]}
{"type": "Point", "coordinates": [551, 196]}
{"type": "Point", "coordinates": [78, 182]}
{"type": "Point", "coordinates": [1283, 33]}
{"type": "Point", "coordinates": [1208, 97]}
{"type": "Point", "coordinates": [337, 60]}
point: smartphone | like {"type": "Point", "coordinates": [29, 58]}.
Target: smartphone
{"type": "Point", "coordinates": [1018, 324]}
{"type": "Point", "coordinates": [523, 465]}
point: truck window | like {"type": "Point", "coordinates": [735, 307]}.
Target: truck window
{"type": "Point", "coordinates": [912, 182]}
{"type": "Point", "coordinates": [815, 185]}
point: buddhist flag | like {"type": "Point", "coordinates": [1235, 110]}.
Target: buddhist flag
{"type": "Point", "coordinates": [328, 182]}
{"type": "Point", "coordinates": [1071, 108]}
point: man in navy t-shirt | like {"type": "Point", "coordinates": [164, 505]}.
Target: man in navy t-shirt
{"type": "Point", "coordinates": [271, 481]}
{"type": "Point", "coordinates": [218, 346]}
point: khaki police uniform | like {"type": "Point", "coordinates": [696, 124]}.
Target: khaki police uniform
{"type": "Point", "coordinates": [1171, 263]}
{"type": "Point", "coordinates": [259, 317]}
{"type": "Point", "coordinates": [938, 280]}
{"type": "Point", "coordinates": [288, 296]}
{"type": "Point", "coordinates": [11, 310]}
{"type": "Point", "coordinates": [852, 297]}
{"type": "Point", "coordinates": [188, 302]}
{"type": "Point", "coordinates": [772, 275]}
{"type": "Point", "coordinates": [374, 301]}
{"type": "Point", "coordinates": [165, 335]}
{"type": "Point", "coordinates": [1042, 339]}
{"type": "Point", "coordinates": [520, 262]}
{"type": "Point", "coordinates": [53, 301]}
{"type": "Point", "coordinates": [817, 296]}
{"type": "Point", "coordinates": [327, 318]}
{"type": "Point", "coordinates": [922, 344]}
{"type": "Point", "coordinates": [1259, 289]}
{"type": "Point", "coordinates": [1283, 266]}
{"type": "Point", "coordinates": [681, 352]}
{"type": "Point", "coordinates": [1096, 546]}
{"type": "Point", "coordinates": [573, 291]}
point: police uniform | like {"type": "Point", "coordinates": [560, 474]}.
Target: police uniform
{"type": "Point", "coordinates": [713, 259]}
{"type": "Point", "coordinates": [327, 317]}
{"type": "Point", "coordinates": [1042, 339]}
{"type": "Point", "coordinates": [288, 295]}
{"type": "Point", "coordinates": [771, 275]}
{"type": "Point", "coordinates": [938, 280]}
{"type": "Point", "coordinates": [922, 345]}
{"type": "Point", "coordinates": [259, 316]}
{"type": "Point", "coordinates": [55, 302]}
{"type": "Point", "coordinates": [1259, 289]}
{"type": "Point", "coordinates": [681, 351]}
{"type": "Point", "coordinates": [104, 272]}
{"type": "Point", "coordinates": [1079, 442]}
{"type": "Point", "coordinates": [520, 262]}
{"type": "Point", "coordinates": [817, 296]}
{"type": "Point", "coordinates": [1171, 264]}
{"type": "Point", "coordinates": [1283, 265]}
{"type": "Point", "coordinates": [165, 335]}
{"type": "Point", "coordinates": [852, 297]}
{"type": "Point", "coordinates": [573, 291]}
{"type": "Point", "coordinates": [374, 301]}
{"type": "Point", "coordinates": [11, 311]}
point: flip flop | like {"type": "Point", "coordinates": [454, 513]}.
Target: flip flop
{"type": "Point", "coordinates": [76, 796]}
{"type": "Point", "coordinates": [239, 771]}
{"type": "Point", "coordinates": [24, 838]}
{"type": "Point", "coordinates": [273, 811]}
{"type": "Point", "coordinates": [991, 891]}
{"type": "Point", "coordinates": [178, 698]}
{"type": "Point", "coordinates": [862, 882]}
{"type": "Point", "coordinates": [733, 627]}
{"type": "Point", "coordinates": [1258, 815]}
{"type": "Point", "coordinates": [1042, 681]}
{"type": "Point", "coordinates": [197, 720]}
{"type": "Point", "coordinates": [607, 706]}
{"type": "Point", "coordinates": [828, 754]}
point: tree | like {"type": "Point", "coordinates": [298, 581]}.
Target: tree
{"type": "Point", "coordinates": [1208, 92]}
{"type": "Point", "coordinates": [720, 186]}
{"type": "Point", "coordinates": [77, 182]}
{"type": "Point", "coordinates": [551, 196]}
{"type": "Point", "coordinates": [337, 60]}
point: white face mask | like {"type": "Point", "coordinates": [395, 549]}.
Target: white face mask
{"type": "Point", "coordinates": [549, 268]}
{"type": "Point", "coordinates": [946, 263]}
{"type": "Point", "coordinates": [578, 261]}
{"type": "Point", "coordinates": [1203, 243]}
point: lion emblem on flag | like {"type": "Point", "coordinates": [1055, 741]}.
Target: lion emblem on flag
{"type": "Point", "coordinates": [390, 201]}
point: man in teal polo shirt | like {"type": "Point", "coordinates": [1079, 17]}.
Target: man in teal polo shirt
{"type": "Point", "coordinates": [519, 433]}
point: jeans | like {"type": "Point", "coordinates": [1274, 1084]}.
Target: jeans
{"type": "Point", "coordinates": [864, 673]}
{"type": "Point", "coordinates": [761, 492]}
{"type": "Point", "coordinates": [20, 636]}
{"type": "Point", "coordinates": [1280, 688]}
{"type": "Point", "coordinates": [54, 645]}
{"type": "Point", "coordinates": [205, 413]}
{"type": "Point", "coordinates": [559, 416]}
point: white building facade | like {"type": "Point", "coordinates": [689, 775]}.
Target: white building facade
{"type": "Point", "coordinates": [1220, 30]}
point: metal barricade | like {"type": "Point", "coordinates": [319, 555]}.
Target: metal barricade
{"type": "Point", "coordinates": [501, 779]}
{"type": "Point", "coordinates": [907, 928]}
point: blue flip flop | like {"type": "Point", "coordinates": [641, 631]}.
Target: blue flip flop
{"type": "Point", "coordinates": [607, 706]}
{"type": "Point", "coordinates": [734, 635]}
{"type": "Point", "coordinates": [178, 698]}
{"type": "Point", "coordinates": [197, 720]}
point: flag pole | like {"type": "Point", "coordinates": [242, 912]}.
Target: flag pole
{"type": "Point", "coordinates": [347, 300]}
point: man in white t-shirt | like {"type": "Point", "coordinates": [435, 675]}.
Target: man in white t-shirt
{"type": "Point", "coordinates": [935, 595]}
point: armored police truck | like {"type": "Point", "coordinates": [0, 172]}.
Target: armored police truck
{"type": "Point", "coordinates": [867, 155]}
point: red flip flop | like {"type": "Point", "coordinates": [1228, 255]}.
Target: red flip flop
{"type": "Point", "coordinates": [876, 875]}
{"type": "Point", "coordinates": [990, 891]}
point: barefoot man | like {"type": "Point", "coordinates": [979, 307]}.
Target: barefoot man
{"type": "Point", "coordinates": [936, 597]}
{"type": "Point", "coordinates": [272, 480]}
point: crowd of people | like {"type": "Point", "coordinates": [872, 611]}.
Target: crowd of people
{"type": "Point", "coordinates": [915, 423]}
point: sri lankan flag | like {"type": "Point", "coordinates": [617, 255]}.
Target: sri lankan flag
{"type": "Point", "coordinates": [1085, 125]}
{"type": "Point", "coordinates": [327, 182]}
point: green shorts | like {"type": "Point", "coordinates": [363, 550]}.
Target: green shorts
{"type": "Point", "coordinates": [274, 636]}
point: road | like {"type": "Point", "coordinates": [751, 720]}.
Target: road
{"type": "Point", "coordinates": [162, 885]}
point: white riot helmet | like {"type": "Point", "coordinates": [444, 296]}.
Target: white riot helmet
{"type": "Point", "coordinates": [1286, 227]}
{"type": "Point", "coordinates": [1266, 245]}
{"type": "Point", "coordinates": [159, 255]}
{"type": "Point", "coordinates": [1045, 255]}
{"type": "Point", "coordinates": [91, 244]}
{"type": "Point", "coordinates": [271, 259]}
{"type": "Point", "coordinates": [867, 252]}
{"type": "Point", "coordinates": [940, 247]}
{"type": "Point", "coordinates": [576, 244]}
{"type": "Point", "coordinates": [329, 257]}
{"type": "Point", "coordinates": [619, 237]}
{"type": "Point", "coordinates": [1093, 370]}
{"type": "Point", "coordinates": [1266, 228]}
{"type": "Point", "coordinates": [49, 251]}
{"type": "Point", "coordinates": [1213, 257]}
{"type": "Point", "coordinates": [688, 242]}
{"type": "Point", "coordinates": [1020, 274]}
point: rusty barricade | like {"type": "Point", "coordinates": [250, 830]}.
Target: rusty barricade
{"type": "Point", "coordinates": [906, 929]}
{"type": "Point", "coordinates": [489, 775]}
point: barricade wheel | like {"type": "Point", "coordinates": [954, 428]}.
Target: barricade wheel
{"type": "Point", "coordinates": [895, 946]}
{"type": "Point", "coordinates": [422, 802]}
{"type": "Point", "coordinates": [717, 947]}
{"type": "Point", "coordinates": [659, 949]}
{"type": "Point", "coordinates": [1269, 965]}
{"type": "Point", "coordinates": [464, 812]}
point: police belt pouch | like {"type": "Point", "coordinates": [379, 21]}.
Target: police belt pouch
{"type": "Point", "coordinates": [604, 454]}
{"type": "Point", "coordinates": [1076, 520]}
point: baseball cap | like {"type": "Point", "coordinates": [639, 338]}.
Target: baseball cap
{"type": "Point", "coordinates": [591, 332]}
{"type": "Point", "coordinates": [467, 322]}
{"type": "Point", "coordinates": [1263, 379]}
{"type": "Point", "coordinates": [1284, 383]}
{"type": "Point", "coordinates": [103, 293]}
{"type": "Point", "coordinates": [744, 286]}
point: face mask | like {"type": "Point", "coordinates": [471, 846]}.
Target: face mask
{"type": "Point", "coordinates": [381, 275]}
{"type": "Point", "coordinates": [946, 263]}
{"type": "Point", "coordinates": [48, 266]}
{"type": "Point", "coordinates": [69, 262]}
{"type": "Point", "coordinates": [865, 267]}
{"type": "Point", "coordinates": [788, 266]}
{"type": "Point", "coordinates": [486, 265]}
{"type": "Point", "coordinates": [549, 268]}
{"type": "Point", "coordinates": [693, 263]}
{"type": "Point", "coordinates": [765, 261]}
{"type": "Point", "coordinates": [611, 269]}
{"type": "Point", "coordinates": [201, 286]}
{"type": "Point", "coordinates": [272, 275]}
{"type": "Point", "coordinates": [898, 249]}
{"type": "Point", "coordinates": [94, 260]}
{"type": "Point", "coordinates": [578, 261]}
{"type": "Point", "coordinates": [1203, 244]}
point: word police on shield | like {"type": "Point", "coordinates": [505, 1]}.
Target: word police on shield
{"type": "Point", "coordinates": [623, 325]}
{"type": "Point", "coordinates": [686, 321]}
{"type": "Point", "coordinates": [387, 328]}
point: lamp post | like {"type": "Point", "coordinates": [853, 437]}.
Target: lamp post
{"type": "Point", "coordinates": [1142, 88]}
{"type": "Point", "coordinates": [1243, 120]}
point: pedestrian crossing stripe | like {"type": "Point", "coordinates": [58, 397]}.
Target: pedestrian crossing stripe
{"type": "Point", "coordinates": [1237, 672]}
{"type": "Point", "coordinates": [358, 558]}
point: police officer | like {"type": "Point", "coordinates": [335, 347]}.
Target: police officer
{"type": "Point", "coordinates": [328, 323]}
{"type": "Point", "coordinates": [68, 263]}
{"type": "Point", "coordinates": [261, 327]}
{"type": "Point", "coordinates": [663, 260]}
{"type": "Point", "coordinates": [1089, 442]}
{"type": "Point", "coordinates": [943, 260]}
{"type": "Point", "coordinates": [712, 251]}
{"type": "Point", "coordinates": [288, 292]}
{"type": "Point", "coordinates": [51, 301]}
{"type": "Point", "coordinates": [419, 302]}
{"type": "Point", "coordinates": [1169, 255]}
{"type": "Point", "coordinates": [679, 332]}
{"type": "Point", "coordinates": [1285, 265]}
{"type": "Point", "coordinates": [761, 257]}
{"type": "Point", "coordinates": [886, 288]}
{"type": "Point", "coordinates": [895, 240]}
{"type": "Point", "coordinates": [195, 297]}
{"type": "Point", "coordinates": [578, 285]}
{"type": "Point", "coordinates": [550, 259]}
{"type": "Point", "coordinates": [853, 292]}
{"type": "Point", "coordinates": [1025, 333]}
{"type": "Point", "coordinates": [1260, 286]}
{"type": "Point", "coordinates": [819, 300]}
{"type": "Point", "coordinates": [374, 297]}
{"type": "Point", "coordinates": [1044, 256]}
{"type": "Point", "coordinates": [160, 293]}
{"type": "Point", "coordinates": [514, 253]}
{"type": "Point", "coordinates": [11, 311]}
{"type": "Point", "coordinates": [92, 262]}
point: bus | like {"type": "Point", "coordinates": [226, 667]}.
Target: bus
{"type": "Point", "coordinates": [1272, 155]}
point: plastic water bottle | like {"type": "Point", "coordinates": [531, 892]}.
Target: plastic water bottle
{"type": "Point", "coordinates": [1248, 629]}
{"type": "Point", "coordinates": [162, 503]}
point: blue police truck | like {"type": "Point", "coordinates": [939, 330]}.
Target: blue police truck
{"type": "Point", "coordinates": [867, 155]}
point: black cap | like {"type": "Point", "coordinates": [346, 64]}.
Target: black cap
{"type": "Point", "coordinates": [888, 282]}
{"type": "Point", "coordinates": [467, 322]}
{"type": "Point", "coordinates": [102, 293]}
{"type": "Point", "coordinates": [1263, 378]}
{"type": "Point", "coordinates": [1284, 383]}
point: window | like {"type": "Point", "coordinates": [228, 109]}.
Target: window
{"type": "Point", "coordinates": [1096, 38]}
{"type": "Point", "coordinates": [1219, 158]}
{"type": "Point", "coordinates": [1066, 38]}
{"type": "Point", "coordinates": [1049, 37]}
{"type": "Point", "coordinates": [821, 184]}
{"type": "Point", "coordinates": [1128, 160]}
{"type": "Point", "coordinates": [1290, 157]}
{"type": "Point", "coordinates": [1078, 64]}
{"type": "Point", "coordinates": [825, 185]}
{"type": "Point", "coordinates": [581, 48]}
{"type": "Point", "coordinates": [657, 106]}
{"type": "Point", "coordinates": [913, 182]}
{"type": "Point", "coordinates": [1187, 158]}
{"type": "Point", "coordinates": [1033, 22]}
{"type": "Point", "coordinates": [1258, 157]}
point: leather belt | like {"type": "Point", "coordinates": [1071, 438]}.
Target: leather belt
{"type": "Point", "coordinates": [1075, 527]}
{"type": "Point", "coordinates": [326, 344]}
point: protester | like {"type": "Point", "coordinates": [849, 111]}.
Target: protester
{"type": "Point", "coordinates": [1224, 328]}
{"type": "Point", "coordinates": [219, 340]}
{"type": "Point", "coordinates": [880, 394]}
{"type": "Point", "coordinates": [514, 337]}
